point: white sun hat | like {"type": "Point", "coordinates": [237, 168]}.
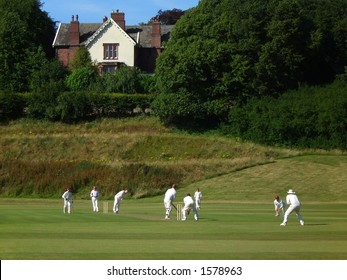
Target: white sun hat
{"type": "Point", "coordinates": [290, 192]}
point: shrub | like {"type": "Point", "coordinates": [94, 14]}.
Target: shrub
{"type": "Point", "coordinates": [312, 117]}
{"type": "Point", "coordinates": [49, 77]}
{"type": "Point", "coordinates": [125, 80]}
{"type": "Point", "coordinates": [118, 104]}
{"type": "Point", "coordinates": [11, 106]}
{"type": "Point", "coordinates": [81, 78]}
{"type": "Point", "coordinates": [73, 106]}
{"type": "Point", "coordinates": [81, 59]}
{"type": "Point", "coordinates": [42, 105]}
{"type": "Point", "coordinates": [147, 82]}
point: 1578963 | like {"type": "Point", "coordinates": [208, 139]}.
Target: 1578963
{"type": "Point", "coordinates": [217, 270]}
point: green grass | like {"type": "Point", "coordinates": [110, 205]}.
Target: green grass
{"type": "Point", "coordinates": [37, 229]}
{"type": "Point", "coordinates": [315, 177]}
{"type": "Point", "coordinates": [238, 180]}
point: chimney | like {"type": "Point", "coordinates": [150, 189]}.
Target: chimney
{"type": "Point", "coordinates": [156, 34]}
{"type": "Point", "coordinates": [74, 32]}
{"type": "Point", "coordinates": [104, 19]}
{"type": "Point", "coordinates": [119, 18]}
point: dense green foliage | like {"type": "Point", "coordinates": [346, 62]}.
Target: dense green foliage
{"type": "Point", "coordinates": [72, 106]}
{"type": "Point", "coordinates": [81, 59]}
{"type": "Point", "coordinates": [223, 52]}
{"type": "Point", "coordinates": [119, 105]}
{"type": "Point", "coordinates": [314, 117]}
{"type": "Point", "coordinates": [41, 105]}
{"type": "Point", "coordinates": [125, 79]}
{"type": "Point", "coordinates": [25, 30]}
{"type": "Point", "coordinates": [82, 105]}
{"type": "Point", "coordinates": [11, 106]}
{"type": "Point", "coordinates": [83, 73]}
{"type": "Point", "coordinates": [168, 17]}
{"type": "Point", "coordinates": [81, 78]}
{"type": "Point", "coordinates": [48, 77]}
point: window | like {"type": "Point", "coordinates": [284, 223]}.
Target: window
{"type": "Point", "coordinates": [109, 69]}
{"type": "Point", "coordinates": [111, 51]}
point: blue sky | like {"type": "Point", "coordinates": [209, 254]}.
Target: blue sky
{"type": "Point", "coordinates": [93, 11]}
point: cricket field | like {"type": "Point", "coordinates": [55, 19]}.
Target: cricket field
{"type": "Point", "coordinates": [37, 229]}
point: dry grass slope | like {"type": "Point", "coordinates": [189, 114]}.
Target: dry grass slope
{"type": "Point", "coordinates": [40, 159]}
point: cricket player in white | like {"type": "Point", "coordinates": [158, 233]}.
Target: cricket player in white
{"type": "Point", "coordinates": [189, 204]}
{"type": "Point", "coordinates": [294, 205]}
{"type": "Point", "coordinates": [117, 199]}
{"type": "Point", "coordinates": [197, 197]}
{"type": "Point", "coordinates": [94, 194]}
{"type": "Point", "coordinates": [280, 206]}
{"type": "Point", "coordinates": [67, 196]}
{"type": "Point", "coordinates": [169, 197]}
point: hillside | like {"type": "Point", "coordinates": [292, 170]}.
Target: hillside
{"type": "Point", "coordinates": [314, 177]}
{"type": "Point", "coordinates": [40, 159]}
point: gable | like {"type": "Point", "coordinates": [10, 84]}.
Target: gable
{"type": "Point", "coordinates": [109, 31]}
{"type": "Point", "coordinates": [111, 38]}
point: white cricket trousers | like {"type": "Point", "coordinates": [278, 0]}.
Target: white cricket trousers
{"type": "Point", "coordinates": [185, 211]}
{"type": "Point", "coordinates": [291, 209]}
{"type": "Point", "coordinates": [67, 206]}
{"type": "Point", "coordinates": [116, 205]}
{"type": "Point", "coordinates": [168, 208]}
{"type": "Point", "coordinates": [95, 204]}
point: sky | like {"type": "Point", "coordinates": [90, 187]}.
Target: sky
{"type": "Point", "coordinates": [93, 11]}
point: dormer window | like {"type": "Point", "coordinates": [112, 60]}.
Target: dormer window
{"type": "Point", "coordinates": [111, 51]}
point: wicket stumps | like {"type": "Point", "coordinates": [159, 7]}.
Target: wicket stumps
{"type": "Point", "coordinates": [105, 207]}
{"type": "Point", "coordinates": [179, 211]}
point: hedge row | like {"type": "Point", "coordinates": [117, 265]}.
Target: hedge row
{"type": "Point", "coordinates": [72, 106]}
{"type": "Point", "coordinates": [312, 117]}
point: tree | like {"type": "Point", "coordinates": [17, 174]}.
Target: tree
{"type": "Point", "coordinates": [81, 58]}
{"type": "Point", "coordinates": [12, 39]}
{"type": "Point", "coordinates": [83, 72]}
{"type": "Point", "coordinates": [24, 28]}
{"type": "Point", "coordinates": [82, 78]}
{"type": "Point", "coordinates": [223, 52]}
{"type": "Point", "coordinates": [168, 17]}
{"type": "Point", "coordinates": [125, 80]}
{"type": "Point", "coordinates": [50, 76]}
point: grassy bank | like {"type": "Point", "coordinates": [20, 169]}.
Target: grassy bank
{"type": "Point", "coordinates": [40, 159]}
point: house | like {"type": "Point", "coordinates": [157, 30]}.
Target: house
{"type": "Point", "coordinates": [112, 43]}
